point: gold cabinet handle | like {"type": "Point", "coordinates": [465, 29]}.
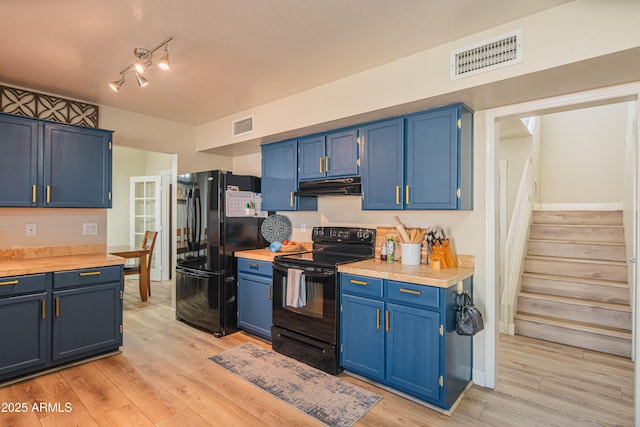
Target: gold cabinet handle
{"type": "Point", "coordinates": [377, 318]}
{"type": "Point", "coordinates": [291, 199]}
{"type": "Point", "coordinates": [42, 308]}
{"type": "Point", "coordinates": [358, 282]}
{"type": "Point", "coordinates": [11, 282]}
{"type": "Point", "coordinates": [91, 273]}
{"type": "Point", "coordinates": [270, 291]}
{"type": "Point", "coordinates": [386, 318]}
{"type": "Point", "coordinates": [48, 194]}
{"type": "Point", "coordinates": [57, 307]}
{"type": "Point", "coordinates": [252, 265]}
{"type": "Point", "coordinates": [320, 167]}
{"type": "Point", "coordinates": [410, 291]}
{"type": "Point", "coordinates": [397, 194]}
{"type": "Point", "coordinates": [407, 194]}
{"type": "Point", "coordinates": [326, 163]}
{"type": "Point", "coordinates": [33, 193]}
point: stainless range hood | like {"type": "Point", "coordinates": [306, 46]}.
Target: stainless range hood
{"type": "Point", "coordinates": [330, 187]}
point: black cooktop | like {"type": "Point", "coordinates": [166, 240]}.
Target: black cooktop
{"type": "Point", "coordinates": [324, 259]}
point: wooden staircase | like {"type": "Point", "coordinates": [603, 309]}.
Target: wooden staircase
{"type": "Point", "coordinates": [574, 285]}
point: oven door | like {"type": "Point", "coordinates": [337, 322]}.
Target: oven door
{"type": "Point", "coordinates": [315, 313]}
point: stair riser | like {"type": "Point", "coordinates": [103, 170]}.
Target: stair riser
{"type": "Point", "coordinates": [577, 234]}
{"type": "Point", "coordinates": [577, 250]}
{"type": "Point", "coordinates": [591, 341]}
{"type": "Point", "coordinates": [586, 291]}
{"type": "Point", "coordinates": [578, 217]}
{"type": "Point", "coordinates": [616, 273]}
{"type": "Point", "coordinates": [579, 313]}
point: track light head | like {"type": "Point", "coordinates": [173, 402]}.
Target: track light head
{"type": "Point", "coordinates": [116, 84]}
{"type": "Point", "coordinates": [142, 82]}
{"type": "Point", "coordinates": [164, 59]}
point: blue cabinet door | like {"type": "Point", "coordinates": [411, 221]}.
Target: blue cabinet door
{"type": "Point", "coordinates": [23, 333]}
{"type": "Point", "coordinates": [77, 167]}
{"type": "Point", "coordinates": [341, 158]}
{"type": "Point", "coordinates": [19, 142]}
{"type": "Point", "coordinates": [280, 178]}
{"type": "Point", "coordinates": [255, 304]}
{"type": "Point", "coordinates": [87, 320]}
{"type": "Point", "coordinates": [413, 351]}
{"type": "Point", "coordinates": [382, 165]}
{"type": "Point", "coordinates": [311, 158]}
{"type": "Point", "coordinates": [362, 336]}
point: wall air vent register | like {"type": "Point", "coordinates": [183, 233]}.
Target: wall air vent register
{"type": "Point", "coordinates": [487, 55]}
{"type": "Point", "coordinates": [242, 126]}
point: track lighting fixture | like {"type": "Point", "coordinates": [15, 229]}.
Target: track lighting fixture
{"type": "Point", "coordinates": [142, 63]}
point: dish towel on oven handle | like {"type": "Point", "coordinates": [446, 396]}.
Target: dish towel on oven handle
{"type": "Point", "coordinates": [296, 290]}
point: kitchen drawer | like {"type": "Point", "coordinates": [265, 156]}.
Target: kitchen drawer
{"type": "Point", "coordinates": [17, 285]}
{"type": "Point", "coordinates": [66, 279]}
{"type": "Point", "coordinates": [361, 285]}
{"type": "Point", "coordinates": [263, 268]}
{"type": "Point", "coordinates": [420, 295]}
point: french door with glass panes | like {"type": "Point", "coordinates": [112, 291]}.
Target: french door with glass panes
{"type": "Point", "coordinates": [145, 206]}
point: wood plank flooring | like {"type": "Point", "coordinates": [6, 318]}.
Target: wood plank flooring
{"type": "Point", "coordinates": [162, 377]}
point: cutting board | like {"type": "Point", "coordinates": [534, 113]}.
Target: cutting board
{"type": "Point", "coordinates": [382, 232]}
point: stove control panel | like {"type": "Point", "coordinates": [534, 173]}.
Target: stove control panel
{"type": "Point", "coordinates": [343, 234]}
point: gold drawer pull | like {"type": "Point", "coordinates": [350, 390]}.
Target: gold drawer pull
{"type": "Point", "coordinates": [48, 194]}
{"type": "Point", "coordinates": [252, 265]}
{"type": "Point", "coordinates": [410, 291]}
{"type": "Point", "coordinates": [407, 194]}
{"type": "Point", "coordinates": [42, 308]}
{"type": "Point", "coordinates": [291, 199]}
{"type": "Point", "coordinates": [320, 167]}
{"type": "Point", "coordinates": [397, 194]}
{"type": "Point", "coordinates": [57, 307]}
{"type": "Point", "coordinates": [33, 193]}
{"type": "Point", "coordinates": [377, 318]}
{"type": "Point", "coordinates": [326, 163]}
{"type": "Point", "coordinates": [359, 282]}
{"type": "Point", "coordinates": [388, 326]}
{"type": "Point", "coordinates": [11, 282]}
{"type": "Point", "coordinates": [91, 273]}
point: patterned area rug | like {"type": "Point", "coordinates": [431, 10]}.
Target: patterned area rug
{"type": "Point", "coordinates": [326, 398]}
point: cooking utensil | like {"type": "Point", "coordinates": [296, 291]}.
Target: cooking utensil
{"type": "Point", "coordinates": [403, 231]}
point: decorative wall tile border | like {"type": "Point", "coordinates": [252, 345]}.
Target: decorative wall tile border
{"type": "Point", "coordinates": [47, 107]}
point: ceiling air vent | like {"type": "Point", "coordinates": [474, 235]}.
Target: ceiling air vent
{"type": "Point", "coordinates": [242, 126]}
{"type": "Point", "coordinates": [487, 55]}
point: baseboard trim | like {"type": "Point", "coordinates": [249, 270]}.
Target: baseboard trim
{"type": "Point", "coordinates": [616, 206]}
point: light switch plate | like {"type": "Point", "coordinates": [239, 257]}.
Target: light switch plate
{"type": "Point", "coordinates": [89, 229]}
{"type": "Point", "coordinates": [31, 229]}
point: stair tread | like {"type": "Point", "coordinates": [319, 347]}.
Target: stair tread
{"type": "Point", "coordinates": [589, 281]}
{"type": "Point", "coordinates": [575, 260]}
{"type": "Point", "coordinates": [578, 242]}
{"type": "Point", "coordinates": [572, 324]}
{"type": "Point", "coordinates": [577, 301]}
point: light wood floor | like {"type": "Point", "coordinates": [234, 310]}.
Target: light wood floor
{"type": "Point", "coordinates": [162, 378]}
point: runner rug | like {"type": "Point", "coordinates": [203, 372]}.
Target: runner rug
{"type": "Point", "coordinates": [329, 399]}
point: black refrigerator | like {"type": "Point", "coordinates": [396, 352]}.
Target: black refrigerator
{"type": "Point", "coordinates": [218, 214]}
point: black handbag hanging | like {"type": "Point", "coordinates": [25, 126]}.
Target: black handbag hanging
{"type": "Point", "coordinates": [468, 317]}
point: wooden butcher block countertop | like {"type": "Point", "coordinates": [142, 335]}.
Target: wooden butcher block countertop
{"type": "Point", "coordinates": [21, 261]}
{"type": "Point", "coordinates": [266, 255]}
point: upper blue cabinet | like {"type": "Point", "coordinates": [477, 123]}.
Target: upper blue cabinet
{"type": "Point", "coordinates": [422, 161]}
{"type": "Point", "coordinates": [330, 155]}
{"type": "Point", "coordinates": [54, 165]}
{"type": "Point", "coordinates": [280, 178]}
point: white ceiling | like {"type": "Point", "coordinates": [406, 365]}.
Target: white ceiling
{"type": "Point", "coordinates": [227, 55]}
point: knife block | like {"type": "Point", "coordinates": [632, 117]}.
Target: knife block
{"type": "Point", "coordinates": [445, 255]}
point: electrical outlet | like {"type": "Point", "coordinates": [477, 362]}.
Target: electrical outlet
{"type": "Point", "coordinates": [303, 226]}
{"type": "Point", "coordinates": [89, 229]}
{"type": "Point", "coordinates": [31, 229]}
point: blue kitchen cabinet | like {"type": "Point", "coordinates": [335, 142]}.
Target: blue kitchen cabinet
{"type": "Point", "coordinates": [422, 161]}
{"type": "Point", "coordinates": [87, 312]}
{"type": "Point", "coordinates": [77, 167]}
{"type": "Point", "coordinates": [439, 159]}
{"type": "Point", "coordinates": [19, 142]}
{"type": "Point", "coordinates": [25, 318]}
{"type": "Point", "coordinates": [361, 329]}
{"type": "Point", "coordinates": [255, 291]}
{"type": "Point", "coordinates": [402, 335]}
{"type": "Point", "coordinates": [330, 155]}
{"type": "Point", "coordinates": [383, 165]}
{"type": "Point", "coordinates": [53, 164]}
{"type": "Point", "coordinates": [280, 178]}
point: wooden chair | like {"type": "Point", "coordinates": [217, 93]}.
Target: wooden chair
{"type": "Point", "coordinates": [148, 241]}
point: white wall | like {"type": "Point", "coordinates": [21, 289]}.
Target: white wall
{"type": "Point", "coordinates": [582, 156]}
{"type": "Point", "coordinates": [516, 151]}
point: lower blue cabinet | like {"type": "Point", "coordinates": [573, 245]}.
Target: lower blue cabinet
{"type": "Point", "coordinates": [54, 318]}
{"type": "Point", "coordinates": [255, 290]}
{"type": "Point", "coordinates": [403, 335]}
